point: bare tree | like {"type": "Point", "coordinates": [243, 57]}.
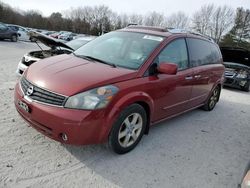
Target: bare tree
{"type": "Point", "coordinates": [213, 21]}
{"type": "Point", "coordinates": [154, 19]}
{"type": "Point", "coordinates": [135, 18]}
{"type": "Point", "coordinates": [222, 22]}
{"type": "Point", "coordinates": [178, 20]}
{"type": "Point", "coordinates": [202, 18]}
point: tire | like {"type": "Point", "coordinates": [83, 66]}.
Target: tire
{"type": "Point", "coordinates": [13, 38]}
{"type": "Point", "coordinates": [128, 129]}
{"type": "Point", "coordinates": [32, 40]}
{"type": "Point", "coordinates": [213, 99]}
{"type": "Point", "coordinates": [246, 87]}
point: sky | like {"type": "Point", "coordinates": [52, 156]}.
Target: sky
{"type": "Point", "coordinates": [167, 7]}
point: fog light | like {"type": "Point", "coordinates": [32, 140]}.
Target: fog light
{"type": "Point", "coordinates": [64, 136]}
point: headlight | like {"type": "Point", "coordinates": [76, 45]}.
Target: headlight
{"type": "Point", "coordinates": [93, 99]}
{"type": "Point", "coordinates": [242, 74]}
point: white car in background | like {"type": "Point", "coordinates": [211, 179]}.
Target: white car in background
{"type": "Point", "coordinates": [22, 32]}
{"type": "Point", "coordinates": [57, 47]}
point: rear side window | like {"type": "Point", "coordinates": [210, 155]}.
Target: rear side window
{"type": "Point", "coordinates": [202, 52]}
{"type": "Point", "coordinates": [215, 53]}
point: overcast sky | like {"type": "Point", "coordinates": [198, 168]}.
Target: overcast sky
{"type": "Point", "coordinates": [124, 6]}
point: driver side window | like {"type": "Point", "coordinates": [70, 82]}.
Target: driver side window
{"type": "Point", "coordinates": [175, 52]}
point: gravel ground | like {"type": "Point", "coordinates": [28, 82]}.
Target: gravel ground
{"type": "Point", "coordinates": [197, 149]}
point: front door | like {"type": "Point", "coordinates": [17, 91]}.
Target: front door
{"type": "Point", "coordinates": [172, 92]}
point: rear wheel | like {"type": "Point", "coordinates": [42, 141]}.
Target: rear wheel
{"type": "Point", "coordinates": [13, 38]}
{"type": "Point", "coordinates": [213, 99]}
{"type": "Point", "coordinates": [128, 129]}
{"type": "Point", "coordinates": [246, 87]}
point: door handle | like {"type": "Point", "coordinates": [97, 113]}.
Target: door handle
{"type": "Point", "coordinates": [188, 77]}
{"type": "Point", "coordinates": [197, 76]}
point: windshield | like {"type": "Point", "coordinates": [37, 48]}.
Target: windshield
{"type": "Point", "coordinates": [123, 49]}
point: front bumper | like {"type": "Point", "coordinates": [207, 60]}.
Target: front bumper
{"type": "Point", "coordinates": [235, 82]}
{"type": "Point", "coordinates": [81, 126]}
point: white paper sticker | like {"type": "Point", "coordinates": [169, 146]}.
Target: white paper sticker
{"type": "Point", "coordinates": [150, 37]}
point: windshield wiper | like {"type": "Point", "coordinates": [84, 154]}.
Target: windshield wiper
{"type": "Point", "coordinates": [101, 61]}
{"type": "Point", "coordinates": [82, 56]}
{"type": "Point", "coordinates": [95, 59]}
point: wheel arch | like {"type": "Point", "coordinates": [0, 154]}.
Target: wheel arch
{"type": "Point", "coordinates": [114, 110]}
{"type": "Point", "coordinates": [147, 109]}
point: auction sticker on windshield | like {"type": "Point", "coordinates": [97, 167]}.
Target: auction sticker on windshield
{"type": "Point", "coordinates": [150, 37]}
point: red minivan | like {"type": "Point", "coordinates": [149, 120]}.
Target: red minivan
{"type": "Point", "coordinates": [118, 85]}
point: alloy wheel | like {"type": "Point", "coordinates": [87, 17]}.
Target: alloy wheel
{"type": "Point", "coordinates": [214, 98]}
{"type": "Point", "coordinates": [130, 130]}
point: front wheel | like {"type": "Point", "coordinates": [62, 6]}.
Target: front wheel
{"type": "Point", "coordinates": [246, 87]}
{"type": "Point", "coordinates": [213, 99]}
{"type": "Point", "coordinates": [13, 38]}
{"type": "Point", "coordinates": [128, 129]}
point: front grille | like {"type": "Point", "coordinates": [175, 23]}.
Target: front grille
{"type": "Point", "coordinates": [42, 95]}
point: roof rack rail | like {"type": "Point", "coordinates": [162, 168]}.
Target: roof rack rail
{"type": "Point", "coordinates": [174, 30]}
{"type": "Point", "coordinates": [130, 24]}
{"type": "Point", "coordinates": [152, 28]}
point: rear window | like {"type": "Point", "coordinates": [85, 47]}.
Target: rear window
{"type": "Point", "coordinates": [202, 52]}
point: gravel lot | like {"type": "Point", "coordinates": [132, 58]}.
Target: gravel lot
{"type": "Point", "coordinates": [197, 149]}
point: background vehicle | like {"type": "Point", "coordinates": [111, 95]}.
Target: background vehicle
{"type": "Point", "coordinates": [67, 36]}
{"type": "Point", "coordinates": [8, 33]}
{"type": "Point", "coordinates": [22, 32]}
{"type": "Point", "coordinates": [56, 47]}
{"type": "Point", "coordinates": [237, 63]}
{"type": "Point", "coordinates": [114, 87]}
{"type": "Point", "coordinates": [57, 34]}
{"type": "Point", "coordinates": [48, 32]}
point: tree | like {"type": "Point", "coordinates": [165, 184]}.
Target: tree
{"type": "Point", "coordinates": [222, 22]}
{"type": "Point", "coordinates": [241, 29]}
{"type": "Point", "coordinates": [178, 20]}
{"type": "Point", "coordinates": [213, 21]}
{"type": "Point", "coordinates": [154, 19]}
{"type": "Point", "coordinates": [201, 19]}
{"type": "Point", "coordinates": [239, 35]}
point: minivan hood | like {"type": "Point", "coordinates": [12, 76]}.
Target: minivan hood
{"type": "Point", "coordinates": [68, 75]}
{"type": "Point", "coordinates": [48, 41]}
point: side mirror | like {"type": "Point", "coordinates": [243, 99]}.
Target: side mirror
{"type": "Point", "coordinates": [167, 68]}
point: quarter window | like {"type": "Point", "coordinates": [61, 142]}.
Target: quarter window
{"type": "Point", "coordinates": [175, 52]}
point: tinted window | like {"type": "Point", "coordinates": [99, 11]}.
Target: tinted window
{"type": "Point", "coordinates": [215, 53]}
{"type": "Point", "coordinates": [175, 52]}
{"type": "Point", "coordinates": [202, 52]}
